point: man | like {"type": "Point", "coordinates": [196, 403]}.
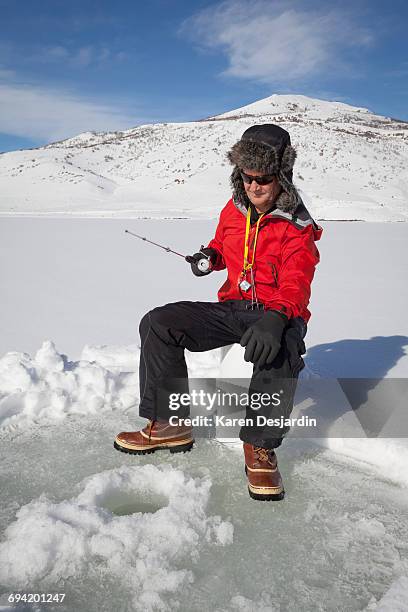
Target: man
{"type": "Point", "coordinates": [265, 239]}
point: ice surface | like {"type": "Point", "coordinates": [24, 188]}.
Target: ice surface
{"type": "Point", "coordinates": [338, 541]}
{"type": "Point", "coordinates": [147, 553]}
{"type": "Point", "coordinates": [71, 501]}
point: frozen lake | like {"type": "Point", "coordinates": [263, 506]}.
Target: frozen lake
{"type": "Point", "coordinates": [84, 281]}
{"type": "Point", "coordinates": [80, 518]}
{"type": "Point", "coordinates": [337, 542]}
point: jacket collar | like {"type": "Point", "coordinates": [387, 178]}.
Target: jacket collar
{"type": "Point", "coordinates": [300, 218]}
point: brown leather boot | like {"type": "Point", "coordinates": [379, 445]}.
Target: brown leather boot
{"type": "Point", "coordinates": [264, 479]}
{"type": "Point", "coordinates": [156, 435]}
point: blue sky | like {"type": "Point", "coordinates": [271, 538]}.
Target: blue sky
{"type": "Point", "coordinates": [68, 66]}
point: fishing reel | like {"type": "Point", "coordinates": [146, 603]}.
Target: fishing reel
{"type": "Point", "coordinates": [204, 264]}
{"type": "Point", "coordinates": [203, 261]}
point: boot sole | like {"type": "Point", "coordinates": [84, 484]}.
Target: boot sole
{"type": "Point", "coordinates": [268, 497]}
{"type": "Point", "coordinates": [265, 496]}
{"type": "Point", "coordinates": [180, 448]}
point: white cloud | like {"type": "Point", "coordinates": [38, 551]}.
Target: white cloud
{"type": "Point", "coordinates": [97, 55]}
{"type": "Point", "coordinates": [274, 41]}
{"type": "Point", "coordinates": [51, 114]}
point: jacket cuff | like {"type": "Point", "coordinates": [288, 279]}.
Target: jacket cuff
{"type": "Point", "coordinates": [219, 263]}
{"type": "Point", "coordinates": [284, 311]}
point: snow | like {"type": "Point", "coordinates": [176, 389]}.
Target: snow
{"type": "Point", "coordinates": [76, 514]}
{"type": "Point", "coordinates": [351, 162]}
{"type": "Point", "coordinates": [341, 532]}
{"type": "Point", "coordinates": [395, 600]}
{"type": "Point", "coordinates": [84, 282]}
{"type": "Point", "coordinates": [278, 104]}
{"type": "Point", "coordinates": [168, 532]}
{"type": "Point", "coordinates": [48, 386]}
{"type": "Point", "coordinates": [147, 552]}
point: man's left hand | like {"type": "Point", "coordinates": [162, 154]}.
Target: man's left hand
{"type": "Point", "coordinates": [263, 339]}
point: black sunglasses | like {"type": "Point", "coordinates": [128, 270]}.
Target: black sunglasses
{"type": "Point", "coordinates": [266, 179]}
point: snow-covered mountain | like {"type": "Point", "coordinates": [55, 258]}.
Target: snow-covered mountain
{"type": "Point", "coordinates": [352, 164]}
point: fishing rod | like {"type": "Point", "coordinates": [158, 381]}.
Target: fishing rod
{"type": "Point", "coordinates": [203, 264]}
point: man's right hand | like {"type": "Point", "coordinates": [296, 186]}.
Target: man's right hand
{"type": "Point", "coordinates": [202, 262]}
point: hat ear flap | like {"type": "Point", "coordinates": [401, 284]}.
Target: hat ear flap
{"type": "Point", "coordinates": [288, 159]}
{"type": "Point", "coordinates": [289, 199]}
{"type": "Point", "coordinates": [237, 185]}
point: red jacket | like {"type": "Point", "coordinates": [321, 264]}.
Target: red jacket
{"type": "Point", "coordinates": [285, 257]}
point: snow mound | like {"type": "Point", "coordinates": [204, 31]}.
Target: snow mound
{"type": "Point", "coordinates": [49, 387]}
{"type": "Point", "coordinates": [107, 528]}
{"type": "Point", "coordinates": [387, 456]}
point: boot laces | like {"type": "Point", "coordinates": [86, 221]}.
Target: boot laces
{"type": "Point", "coordinates": [263, 454]}
{"type": "Point", "coordinates": [151, 424]}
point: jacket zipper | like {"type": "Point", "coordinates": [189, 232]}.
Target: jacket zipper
{"type": "Point", "coordinates": [251, 244]}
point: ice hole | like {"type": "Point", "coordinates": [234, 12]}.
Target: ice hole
{"type": "Point", "coordinates": [122, 503]}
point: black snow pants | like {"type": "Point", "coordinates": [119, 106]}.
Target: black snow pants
{"type": "Point", "coordinates": [201, 326]}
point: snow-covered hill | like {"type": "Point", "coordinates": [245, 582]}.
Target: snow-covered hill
{"type": "Point", "coordinates": [352, 164]}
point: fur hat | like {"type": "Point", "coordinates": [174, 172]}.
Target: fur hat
{"type": "Point", "coordinates": [265, 148]}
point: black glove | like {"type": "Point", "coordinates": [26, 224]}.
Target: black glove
{"type": "Point", "coordinates": [205, 255]}
{"type": "Point", "coordinates": [296, 348]}
{"type": "Point", "coordinates": [263, 338]}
